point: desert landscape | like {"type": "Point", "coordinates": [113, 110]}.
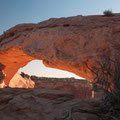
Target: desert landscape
{"type": "Point", "coordinates": [69, 50]}
{"type": "Point", "coordinates": [80, 40]}
{"type": "Point", "coordinates": [40, 98]}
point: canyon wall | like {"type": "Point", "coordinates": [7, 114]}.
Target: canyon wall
{"type": "Point", "coordinates": [79, 88]}
{"type": "Point", "coordinates": [62, 43]}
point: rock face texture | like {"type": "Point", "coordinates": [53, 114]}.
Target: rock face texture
{"type": "Point", "coordinates": [79, 88]}
{"type": "Point", "coordinates": [40, 104]}
{"type": "Point", "coordinates": [64, 43]}
{"type": "Point", "coordinates": [19, 82]}
{"type": "Point", "coordinates": [12, 59]}
{"type": "Point", "coordinates": [2, 76]}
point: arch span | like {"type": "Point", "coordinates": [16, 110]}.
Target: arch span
{"type": "Point", "coordinates": [14, 58]}
{"type": "Point", "coordinates": [37, 68]}
{"type": "Point", "coordinates": [63, 43]}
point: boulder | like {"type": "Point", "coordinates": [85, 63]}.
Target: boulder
{"type": "Point", "coordinates": [19, 82]}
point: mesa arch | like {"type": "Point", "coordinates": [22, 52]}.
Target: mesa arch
{"type": "Point", "coordinates": [37, 68]}
{"type": "Point", "coordinates": [62, 43]}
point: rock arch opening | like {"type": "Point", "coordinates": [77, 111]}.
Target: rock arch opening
{"type": "Point", "coordinates": [36, 67]}
{"type": "Point", "coordinates": [15, 58]}
{"type": "Point", "coordinates": [36, 75]}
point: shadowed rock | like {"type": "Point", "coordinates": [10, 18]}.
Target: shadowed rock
{"type": "Point", "coordinates": [2, 76]}
{"type": "Point", "coordinates": [39, 104]}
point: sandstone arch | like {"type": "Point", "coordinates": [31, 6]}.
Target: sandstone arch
{"type": "Point", "coordinates": [63, 43]}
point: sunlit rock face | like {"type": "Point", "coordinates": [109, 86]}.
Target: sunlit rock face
{"type": "Point", "coordinates": [63, 43]}
{"type": "Point", "coordinates": [19, 82]}
{"type": "Point", "coordinates": [13, 59]}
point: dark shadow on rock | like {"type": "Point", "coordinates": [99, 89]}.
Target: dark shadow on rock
{"type": "Point", "coordinates": [2, 76]}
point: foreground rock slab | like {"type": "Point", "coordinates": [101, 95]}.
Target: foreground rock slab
{"type": "Point", "coordinates": [39, 104]}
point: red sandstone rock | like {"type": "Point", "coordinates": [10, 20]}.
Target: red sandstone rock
{"type": "Point", "coordinates": [1, 67]}
{"type": "Point", "coordinates": [2, 75]}
{"type": "Point", "coordinates": [39, 104]}
{"type": "Point", "coordinates": [80, 88]}
{"type": "Point", "coordinates": [63, 43]}
{"type": "Point", "coordinates": [19, 82]}
{"type": "Point", "coordinates": [12, 59]}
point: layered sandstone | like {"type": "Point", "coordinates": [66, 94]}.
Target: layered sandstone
{"type": "Point", "coordinates": [80, 88]}
{"type": "Point", "coordinates": [40, 104]}
{"type": "Point", "coordinates": [64, 43]}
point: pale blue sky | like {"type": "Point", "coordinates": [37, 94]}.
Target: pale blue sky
{"type": "Point", "coordinates": [13, 12]}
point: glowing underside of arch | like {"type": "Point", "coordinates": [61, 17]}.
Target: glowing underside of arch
{"type": "Point", "coordinates": [36, 67]}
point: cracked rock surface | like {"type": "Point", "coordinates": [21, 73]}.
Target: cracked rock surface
{"type": "Point", "coordinates": [38, 104]}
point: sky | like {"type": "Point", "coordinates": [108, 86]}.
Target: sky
{"type": "Point", "coordinates": [13, 12]}
{"type": "Point", "coordinates": [39, 69]}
